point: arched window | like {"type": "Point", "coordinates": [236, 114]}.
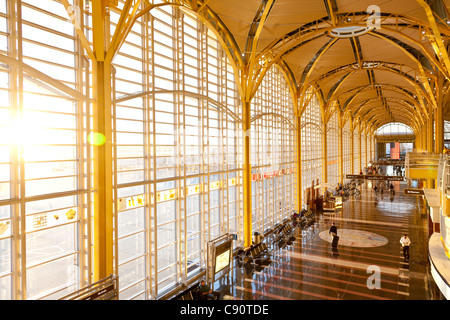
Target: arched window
{"type": "Point", "coordinates": [273, 154]}
{"type": "Point", "coordinates": [177, 153]}
{"type": "Point", "coordinates": [347, 143]}
{"type": "Point", "coordinates": [311, 146]}
{"type": "Point", "coordinates": [333, 149]}
{"type": "Point", "coordinates": [394, 128]}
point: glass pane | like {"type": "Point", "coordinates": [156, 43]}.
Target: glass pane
{"type": "Point", "coordinates": [5, 256]}
{"type": "Point", "coordinates": [131, 221]}
{"type": "Point", "coordinates": [50, 276]}
{"type": "Point", "coordinates": [132, 272]}
{"type": "Point", "coordinates": [5, 288]}
{"type": "Point", "coordinates": [131, 246]}
{"type": "Point", "coordinates": [48, 244]}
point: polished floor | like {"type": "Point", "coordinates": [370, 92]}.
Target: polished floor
{"type": "Point", "coordinates": [368, 263]}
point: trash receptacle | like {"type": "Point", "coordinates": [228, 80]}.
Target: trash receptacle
{"type": "Point", "coordinates": [256, 237]}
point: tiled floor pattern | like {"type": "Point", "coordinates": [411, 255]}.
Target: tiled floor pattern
{"type": "Point", "coordinates": [309, 269]}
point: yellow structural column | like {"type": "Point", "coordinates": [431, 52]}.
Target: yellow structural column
{"type": "Point", "coordinates": [299, 163]}
{"type": "Point", "coordinates": [417, 141]}
{"type": "Point", "coordinates": [340, 147]}
{"type": "Point", "coordinates": [359, 145]}
{"type": "Point", "coordinates": [102, 162]}
{"type": "Point", "coordinates": [424, 137]}
{"type": "Point", "coordinates": [439, 114]}
{"type": "Point", "coordinates": [365, 148]}
{"type": "Point", "coordinates": [439, 123]}
{"type": "Point", "coordinates": [430, 134]}
{"type": "Point", "coordinates": [247, 173]}
{"type": "Point", "coordinates": [352, 146]}
{"type": "Point", "coordinates": [325, 153]}
{"type": "Point", "coordinates": [429, 146]}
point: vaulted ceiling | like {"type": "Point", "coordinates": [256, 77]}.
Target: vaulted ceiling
{"type": "Point", "coordinates": [379, 61]}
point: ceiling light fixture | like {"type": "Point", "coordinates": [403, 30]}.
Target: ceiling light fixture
{"type": "Point", "coordinates": [348, 32]}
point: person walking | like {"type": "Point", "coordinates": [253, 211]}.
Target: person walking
{"type": "Point", "coordinates": [334, 236]}
{"type": "Point", "coordinates": [333, 230]}
{"type": "Point", "coordinates": [405, 242]}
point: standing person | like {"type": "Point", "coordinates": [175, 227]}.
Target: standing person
{"type": "Point", "coordinates": [405, 241]}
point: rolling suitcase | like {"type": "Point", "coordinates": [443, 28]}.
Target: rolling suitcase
{"type": "Point", "coordinates": [335, 241]}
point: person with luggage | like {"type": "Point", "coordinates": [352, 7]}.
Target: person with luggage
{"type": "Point", "coordinates": [333, 234]}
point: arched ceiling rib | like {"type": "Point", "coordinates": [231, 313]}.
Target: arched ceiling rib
{"type": "Point", "coordinates": [398, 62]}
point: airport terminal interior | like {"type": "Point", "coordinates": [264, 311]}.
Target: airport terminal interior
{"type": "Point", "coordinates": [147, 145]}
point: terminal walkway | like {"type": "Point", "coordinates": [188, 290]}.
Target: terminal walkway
{"type": "Point", "coordinates": [370, 229]}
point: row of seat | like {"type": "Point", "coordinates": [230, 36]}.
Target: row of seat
{"type": "Point", "coordinates": [191, 293]}
{"type": "Point", "coordinates": [254, 254]}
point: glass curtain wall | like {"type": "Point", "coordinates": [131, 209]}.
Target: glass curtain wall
{"type": "Point", "coordinates": [363, 151]}
{"type": "Point", "coordinates": [333, 150]}
{"type": "Point", "coordinates": [311, 148]}
{"type": "Point", "coordinates": [356, 137]}
{"type": "Point", "coordinates": [346, 141]}
{"type": "Point", "coordinates": [273, 154]}
{"type": "Point", "coordinates": [177, 153]}
{"type": "Point", "coordinates": [44, 185]}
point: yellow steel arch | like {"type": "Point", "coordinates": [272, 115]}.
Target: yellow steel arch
{"type": "Point", "coordinates": [367, 116]}
{"type": "Point", "coordinates": [413, 82]}
{"type": "Point", "coordinates": [284, 45]}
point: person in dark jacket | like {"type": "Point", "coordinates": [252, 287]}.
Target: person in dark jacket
{"type": "Point", "coordinates": [333, 230]}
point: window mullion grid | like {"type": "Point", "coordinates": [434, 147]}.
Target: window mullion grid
{"type": "Point", "coordinates": [149, 118]}
{"type": "Point", "coordinates": [83, 127]}
{"type": "Point", "coordinates": [181, 148]}
{"type": "Point", "coordinates": [223, 141]}
{"type": "Point", "coordinates": [204, 90]}
{"type": "Point", "coordinates": [153, 222]}
{"type": "Point", "coordinates": [22, 215]}
{"type": "Point", "coordinates": [16, 177]}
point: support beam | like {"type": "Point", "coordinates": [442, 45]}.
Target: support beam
{"type": "Point", "coordinates": [352, 146]}
{"type": "Point", "coordinates": [439, 125]}
{"type": "Point", "coordinates": [419, 141]}
{"type": "Point", "coordinates": [424, 137]}
{"type": "Point", "coordinates": [341, 146]}
{"type": "Point", "coordinates": [332, 8]}
{"type": "Point", "coordinates": [247, 173]}
{"type": "Point", "coordinates": [430, 133]}
{"type": "Point", "coordinates": [299, 163]}
{"type": "Point", "coordinates": [439, 46]}
{"type": "Point", "coordinates": [439, 114]}
{"type": "Point", "coordinates": [325, 154]}
{"type": "Point", "coordinates": [102, 164]}
{"type": "Point", "coordinates": [365, 148]}
{"type": "Point", "coordinates": [79, 31]}
{"type": "Point", "coordinates": [360, 145]}
{"type": "Point", "coordinates": [252, 43]}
